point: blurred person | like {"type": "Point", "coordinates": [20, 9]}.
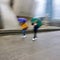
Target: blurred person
{"type": "Point", "coordinates": [36, 22]}
{"type": "Point", "coordinates": [24, 26]}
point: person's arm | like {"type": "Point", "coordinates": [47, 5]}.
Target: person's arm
{"type": "Point", "coordinates": [34, 24]}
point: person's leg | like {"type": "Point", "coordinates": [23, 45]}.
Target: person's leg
{"type": "Point", "coordinates": [35, 32]}
{"type": "Point", "coordinates": [24, 32]}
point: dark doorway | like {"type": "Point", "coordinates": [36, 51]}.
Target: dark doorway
{"type": "Point", "coordinates": [11, 3]}
{"type": "Point", "coordinates": [1, 22]}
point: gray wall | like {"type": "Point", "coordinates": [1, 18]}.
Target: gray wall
{"type": "Point", "coordinates": [22, 7]}
{"type": "Point", "coordinates": [8, 17]}
{"type": "Point", "coordinates": [29, 7]}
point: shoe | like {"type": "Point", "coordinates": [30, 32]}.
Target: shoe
{"type": "Point", "coordinates": [24, 36]}
{"type": "Point", "coordinates": [34, 39]}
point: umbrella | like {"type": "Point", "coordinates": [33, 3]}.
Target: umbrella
{"type": "Point", "coordinates": [22, 20]}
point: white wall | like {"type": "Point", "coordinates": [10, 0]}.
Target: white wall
{"type": "Point", "coordinates": [16, 7]}
{"type": "Point", "coordinates": [40, 8]}
{"type": "Point", "coordinates": [22, 7]}
{"type": "Point", "coordinates": [25, 8]}
{"type": "Point", "coordinates": [5, 2]}
{"type": "Point", "coordinates": [29, 7]}
{"type": "Point", "coordinates": [8, 17]}
{"type": "Point", "coordinates": [56, 11]}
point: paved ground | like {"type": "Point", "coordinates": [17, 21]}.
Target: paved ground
{"type": "Point", "coordinates": [47, 47]}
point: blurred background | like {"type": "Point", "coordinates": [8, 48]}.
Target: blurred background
{"type": "Point", "coordinates": [10, 10]}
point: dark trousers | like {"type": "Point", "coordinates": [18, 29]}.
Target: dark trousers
{"type": "Point", "coordinates": [35, 31]}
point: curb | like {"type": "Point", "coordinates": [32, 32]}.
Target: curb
{"type": "Point", "coordinates": [13, 32]}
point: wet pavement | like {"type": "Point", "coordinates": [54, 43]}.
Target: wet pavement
{"type": "Point", "coordinates": [46, 47]}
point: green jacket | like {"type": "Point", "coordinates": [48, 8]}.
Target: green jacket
{"type": "Point", "coordinates": [36, 20]}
